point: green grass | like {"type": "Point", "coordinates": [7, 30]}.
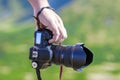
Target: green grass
{"type": "Point", "coordinates": [95, 23]}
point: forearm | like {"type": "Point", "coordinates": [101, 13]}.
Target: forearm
{"type": "Point", "coordinates": [38, 4]}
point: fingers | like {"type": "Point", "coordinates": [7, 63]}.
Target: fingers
{"type": "Point", "coordinates": [59, 32]}
{"type": "Point", "coordinates": [55, 32]}
{"type": "Point", "coordinates": [62, 29]}
{"type": "Point", "coordinates": [62, 35]}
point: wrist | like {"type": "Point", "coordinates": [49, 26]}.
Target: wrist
{"type": "Point", "coordinates": [40, 9]}
{"type": "Point", "coordinates": [38, 4]}
{"type": "Point", "coordinates": [37, 9]}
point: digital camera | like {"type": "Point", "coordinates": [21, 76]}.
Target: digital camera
{"type": "Point", "coordinates": [43, 53]}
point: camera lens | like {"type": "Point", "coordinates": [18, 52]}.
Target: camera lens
{"type": "Point", "coordinates": [76, 56]}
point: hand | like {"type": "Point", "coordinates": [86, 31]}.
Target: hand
{"type": "Point", "coordinates": [54, 23]}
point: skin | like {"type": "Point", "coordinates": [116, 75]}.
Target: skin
{"type": "Point", "coordinates": [50, 19]}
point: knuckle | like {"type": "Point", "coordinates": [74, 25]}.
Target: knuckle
{"type": "Point", "coordinates": [57, 34]}
{"type": "Point", "coordinates": [65, 36]}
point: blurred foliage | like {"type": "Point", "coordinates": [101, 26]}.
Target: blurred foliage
{"type": "Point", "coordinates": [93, 22]}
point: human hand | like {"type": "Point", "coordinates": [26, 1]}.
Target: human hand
{"type": "Point", "coordinates": [54, 23]}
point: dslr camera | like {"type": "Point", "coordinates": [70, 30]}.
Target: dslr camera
{"type": "Point", "coordinates": [43, 54]}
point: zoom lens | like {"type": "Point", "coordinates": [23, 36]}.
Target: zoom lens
{"type": "Point", "coordinates": [76, 56]}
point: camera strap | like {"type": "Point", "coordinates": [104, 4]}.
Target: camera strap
{"type": "Point", "coordinates": [38, 74]}
{"type": "Point", "coordinates": [61, 68]}
{"type": "Point", "coordinates": [61, 71]}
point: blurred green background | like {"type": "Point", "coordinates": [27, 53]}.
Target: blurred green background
{"type": "Point", "coordinates": [93, 22]}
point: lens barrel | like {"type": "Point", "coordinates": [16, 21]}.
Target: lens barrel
{"type": "Point", "coordinates": [76, 56]}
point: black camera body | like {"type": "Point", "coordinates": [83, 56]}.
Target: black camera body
{"type": "Point", "coordinates": [43, 54]}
